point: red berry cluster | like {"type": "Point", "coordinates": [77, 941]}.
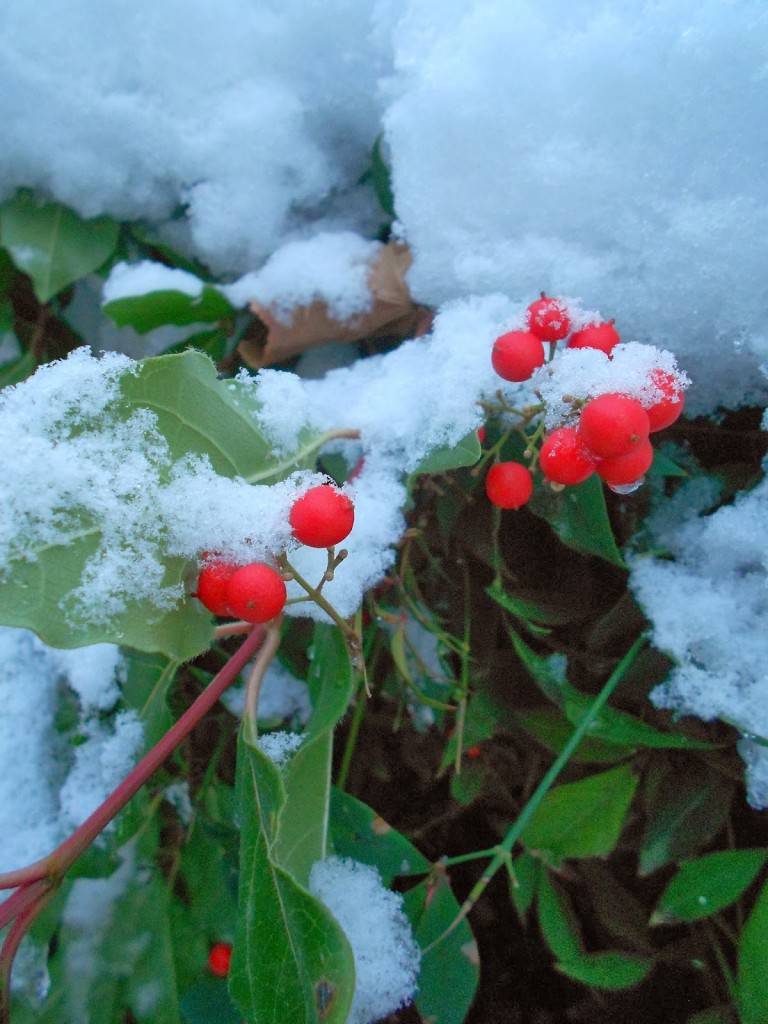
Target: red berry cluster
{"type": "Point", "coordinates": [611, 437]}
{"type": "Point", "coordinates": [321, 518]}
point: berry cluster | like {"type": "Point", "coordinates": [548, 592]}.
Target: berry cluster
{"type": "Point", "coordinates": [607, 433]}
{"type": "Point", "coordinates": [321, 518]}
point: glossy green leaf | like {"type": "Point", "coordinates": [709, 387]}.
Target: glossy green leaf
{"type": "Point", "coordinates": [302, 837]}
{"type": "Point", "coordinates": [156, 309]}
{"type": "Point", "coordinates": [449, 972]}
{"type": "Point", "coordinates": [752, 978]}
{"type": "Point", "coordinates": [582, 819]}
{"type": "Point", "coordinates": [18, 370]}
{"type": "Point", "coordinates": [357, 831]}
{"type": "Point", "coordinates": [282, 930]}
{"type": "Point", "coordinates": [222, 428]}
{"type": "Point", "coordinates": [546, 608]}
{"type": "Point", "coordinates": [708, 884]}
{"type": "Point", "coordinates": [579, 517]}
{"type": "Point", "coordinates": [52, 244]}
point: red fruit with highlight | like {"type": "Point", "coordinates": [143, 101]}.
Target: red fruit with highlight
{"type": "Point", "coordinates": [256, 593]}
{"type": "Point", "coordinates": [548, 319]}
{"type": "Point", "coordinates": [627, 469]}
{"type": "Point", "coordinates": [509, 485]}
{"type": "Point", "coordinates": [212, 584]}
{"type": "Point", "coordinates": [565, 459]}
{"type": "Point", "coordinates": [668, 408]}
{"type": "Point", "coordinates": [322, 517]}
{"type": "Point", "coordinates": [219, 959]}
{"type": "Point", "coordinates": [603, 336]}
{"type": "Point", "coordinates": [516, 355]}
{"type": "Point", "coordinates": [613, 424]}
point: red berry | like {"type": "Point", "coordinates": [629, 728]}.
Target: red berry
{"type": "Point", "coordinates": [256, 592]}
{"type": "Point", "coordinates": [509, 484]}
{"type": "Point", "coordinates": [212, 585]}
{"type": "Point", "coordinates": [613, 425]}
{"type": "Point", "coordinates": [481, 435]}
{"type": "Point", "coordinates": [670, 407]}
{"type": "Point", "coordinates": [603, 336]}
{"type": "Point", "coordinates": [475, 751]}
{"type": "Point", "coordinates": [548, 319]}
{"type": "Point", "coordinates": [627, 469]}
{"type": "Point", "coordinates": [219, 958]}
{"type": "Point", "coordinates": [322, 517]}
{"type": "Point", "coordinates": [516, 355]}
{"type": "Point", "coordinates": [565, 459]}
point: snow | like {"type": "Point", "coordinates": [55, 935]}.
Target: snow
{"type": "Point", "coordinates": [332, 267]}
{"type": "Point", "coordinates": [708, 609]}
{"type": "Point", "coordinates": [47, 786]}
{"type": "Point", "coordinates": [386, 955]}
{"type": "Point", "coordinates": [128, 280]}
{"type": "Point", "coordinates": [280, 745]}
{"type": "Point", "coordinates": [282, 697]}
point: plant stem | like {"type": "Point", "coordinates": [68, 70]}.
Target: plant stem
{"type": "Point", "coordinates": [503, 850]}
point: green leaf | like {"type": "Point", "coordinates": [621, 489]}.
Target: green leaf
{"type": "Point", "coordinates": [662, 465]}
{"type": "Point", "coordinates": [609, 969]}
{"type": "Point", "coordinates": [148, 678]}
{"type": "Point", "coordinates": [382, 179]}
{"type": "Point", "coordinates": [558, 921]}
{"type": "Point", "coordinates": [282, 931]}
{"type": "Point", "coordinates": [331, 679]}
{"type": "Point", "coordinates": [546, 608]}
{"type": "Point", "coordinates": [156, 309]}
{"type": "Point", "coordinates": [552, 729]}
{"type": "Point", "coordinates": [752, 980]}
{"type": "Point", "coordinates": [685, 807]}
{"type": "Point", "coordinates": [208, 1002]}
{"type": "Point", "coordinates": [581, 819]}
{"type": "Point", "coordinates": [431, 908]}
{"type": "Point", "coordinates": [18, 370]}
{"type": "Point", "coordinates": [615, 726]}
{"type": "Point", "coordinates": [705, 886]}
{"type": "Point", "coordinates": [465, 453]}
{"type": "Point", "coordinates": [303, 832]}
{"type": "Point", "coordinates": [524, 881]}
{"type": "Point", "coordinates": [197, 414]}
{"type": "Point", "coordinates": [52, 244]}
{"type": "Point", "coordinates": [579, 517]}
{"type": "Point", "coordinates": [357, 831]}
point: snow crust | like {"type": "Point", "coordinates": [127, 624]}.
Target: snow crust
{"type": "Point", "coordinates": [47, 786]}
{"type": "Point", "coordinates": [599, 150]}
{"type": "Point", "coordinates": [386, 955]}
{"type": "Point", "coordinates": [708, 609]}
{"type": "Point", "coordinates": [128, 280]}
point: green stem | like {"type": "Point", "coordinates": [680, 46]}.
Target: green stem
{"type": "Point", "coordinates": [503, 850]}
{"type": "Point", "coordinates": [299, 457]}
{"type": "Point", "coordinates": [354, 731]}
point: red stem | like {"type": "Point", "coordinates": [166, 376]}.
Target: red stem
{"type": "Point", "coordinates": [63, 857]}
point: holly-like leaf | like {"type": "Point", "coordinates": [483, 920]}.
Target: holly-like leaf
{"type": "Point", "coordinates": [465, 453]}
{"type": "Point", "coordinates": [706, 885]}
{"type": "Point", "coordinates": [52, 244]}
{"type": "Point", "coordinates": [156, 309]}
{"type": "Point", "coordinates": [581, 819]}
